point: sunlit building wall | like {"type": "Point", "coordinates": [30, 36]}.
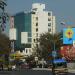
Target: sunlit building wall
{"type": "Point", "coordinates": [42, 21]}
{"type": "Point", "coordinates": [35, 22]}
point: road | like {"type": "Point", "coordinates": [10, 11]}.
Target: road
{"type": "Point", "coordinates": [29, 72]}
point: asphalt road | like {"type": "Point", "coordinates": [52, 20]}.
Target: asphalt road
{"type": "Point", "coordinates": [28, 72]}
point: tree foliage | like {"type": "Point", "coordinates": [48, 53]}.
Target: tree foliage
{"type": "Point", "coordinates": [4, 44]}
{"type": "Point", "coordinates": [47, 42]}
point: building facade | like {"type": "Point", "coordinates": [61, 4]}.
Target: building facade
{"type": "Point", "coordinates": [22, 23]}
{"type": "Point", "coordinates": [42, 21]}
{"type": "Point", "coordinates": [35, 22]}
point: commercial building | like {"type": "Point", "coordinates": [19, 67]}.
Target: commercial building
{"type": "Point", "coordinates": [35, 22]}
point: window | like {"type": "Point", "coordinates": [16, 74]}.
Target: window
{"type": "Point", "coordinates": [29, 39]}
{"type": "Point", "coordinates": [36, 34]}
{"type": "Point", "coordinates": [49, 24]}
{"type": "Point", "coordinates": [36, 18]}
{"type": "Point", "coordinates": [36, 29]}
{"type": "Point", "coordinates": [26, 50]}
{"type": "Point", "coordinates": [36, 45]}
{"type": "Point", "coordinates": [29, 34]}
{"type": "Point", "coordinates": [49, 14]}
{"type": "Point", "coordinates": [35, 9]}
{"type": "Point", "coordinates": [49, 30]}
{"type": "Point", "coordinates": [33, 12]}
{"type": "Point", "coordinates": [34, 40]}
{"type": "Point", "coordinates": [36, 24]}
{"type": "Point", "coordinates": [49, 19]}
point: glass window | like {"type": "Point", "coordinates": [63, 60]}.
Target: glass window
{"type": "Point", "coordinates": [29, 39]}
{"type": "Point", "coordinates": [34, 40]}
{"type": "Point", "coordinates": [33, 12]}
{"type": "Point", "coordinates": [36, 18]}
{"type": "Point", "coordinates": [36, 29]}
{"type": "Point", "coordinates": [29, 34]}
{"type": "Point", "coordinates": [36, 45]}
{"type": "Point", "coordinates": [49, 30]}
{"type": "Point", "coordinates": [35, 9]}
{"type": "Point", "coordinates": [49, 19]}
{"type": "Point", "coordinates": [36, 24]}
{"type": "Point", "coordinates": [49, 24]}
{"type": "Point", "coordinates": [26, 51]}
{"type": "Point", "coordinates": [36, 34]}
{"type": "Point", "coordinates": [49, 14]}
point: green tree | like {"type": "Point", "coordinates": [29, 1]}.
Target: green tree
{"type": "Point", "coordinates": [49, 42]}
{"type": "Point", "coordinates": [4, 48]}
{"type": "Point", "coordinates": [4, 44]}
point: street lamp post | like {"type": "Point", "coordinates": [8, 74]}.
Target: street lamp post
{"type": "Point", "coordinates": [53, 56]}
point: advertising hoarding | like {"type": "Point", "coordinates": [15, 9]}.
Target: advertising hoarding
{"type": "Point", "coordinates": [24, 37]}
{"type": "Point", "coordinates": [12, 33]}
{"type": "Point", "coordinates": [68, 35]}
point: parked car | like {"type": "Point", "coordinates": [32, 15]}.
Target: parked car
{"type": "Point", "coordinates": [60, 66]}
{"type": "Point", "coordinates": [25, 66]}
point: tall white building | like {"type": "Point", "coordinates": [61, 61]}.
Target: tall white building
{"type": "Point", "coordinates": [42, 21]}
{"type": "Point", "coordinates": [35, 22]}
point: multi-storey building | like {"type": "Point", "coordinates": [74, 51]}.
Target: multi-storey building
{"type": "Point", "coordinates": [22, 23]}
{"type": "Point", "coordinates": [35, 22]}
{"type": "Point", "coordinates": [42, 21]}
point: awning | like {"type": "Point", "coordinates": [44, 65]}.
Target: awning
{"type": "Point", "coordinates": [59, 61]}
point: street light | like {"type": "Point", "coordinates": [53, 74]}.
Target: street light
{"type": "Point", "coordinates": [53, 57]}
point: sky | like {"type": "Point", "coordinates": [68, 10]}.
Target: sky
{"type": "Point", "coordinates": [64, 10]}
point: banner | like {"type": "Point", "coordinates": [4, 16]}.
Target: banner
{"type": "Point", "coordinates": [68, 35]}
{"type": "Point", "coordinates": [68, 52]}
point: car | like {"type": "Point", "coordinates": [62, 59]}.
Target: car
{"type": "Point", "coordinates": [25, 66]}
{"type": "Point", "coordinates": [59, 66]}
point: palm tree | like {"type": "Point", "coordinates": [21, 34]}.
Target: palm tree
{"type": "Point", "coordinates": [49, 42]}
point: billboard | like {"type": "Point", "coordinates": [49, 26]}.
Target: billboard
{"type": "Point", "coordinates": [24, 37]}
{"type": "Point", "coordinates": [68, 35]}
{"type": "Point", "coordinates": [12, 34]}
{"type": "Point", "coordinates": [11, 22]}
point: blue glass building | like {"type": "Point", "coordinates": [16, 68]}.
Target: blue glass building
{"type": "Point", "coordinates": [22, 23]}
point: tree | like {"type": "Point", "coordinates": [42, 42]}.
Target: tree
{"type": "Point", "coordinates": [4, 48]}
{"type": "Point", "coordinates": [49, 42]}
{"type": "Point", "coordinates": [3, 14]}
{"type": "Point", "coordinates": [4, 40]}
{"type": "Point", "coordinates": [4, 44]}
{"type": "Point", "coordinates": [2, 4]}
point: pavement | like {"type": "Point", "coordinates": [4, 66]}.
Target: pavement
{"type": "Point", "coordinates": [41, 69]}
{"type": "Point", "coordinates": [71, 70]}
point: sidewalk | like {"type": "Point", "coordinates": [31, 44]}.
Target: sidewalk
{"type": "Point", "coordinates": [41, 69]}
{"type": "Point", "coordinates": [71, 70]}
